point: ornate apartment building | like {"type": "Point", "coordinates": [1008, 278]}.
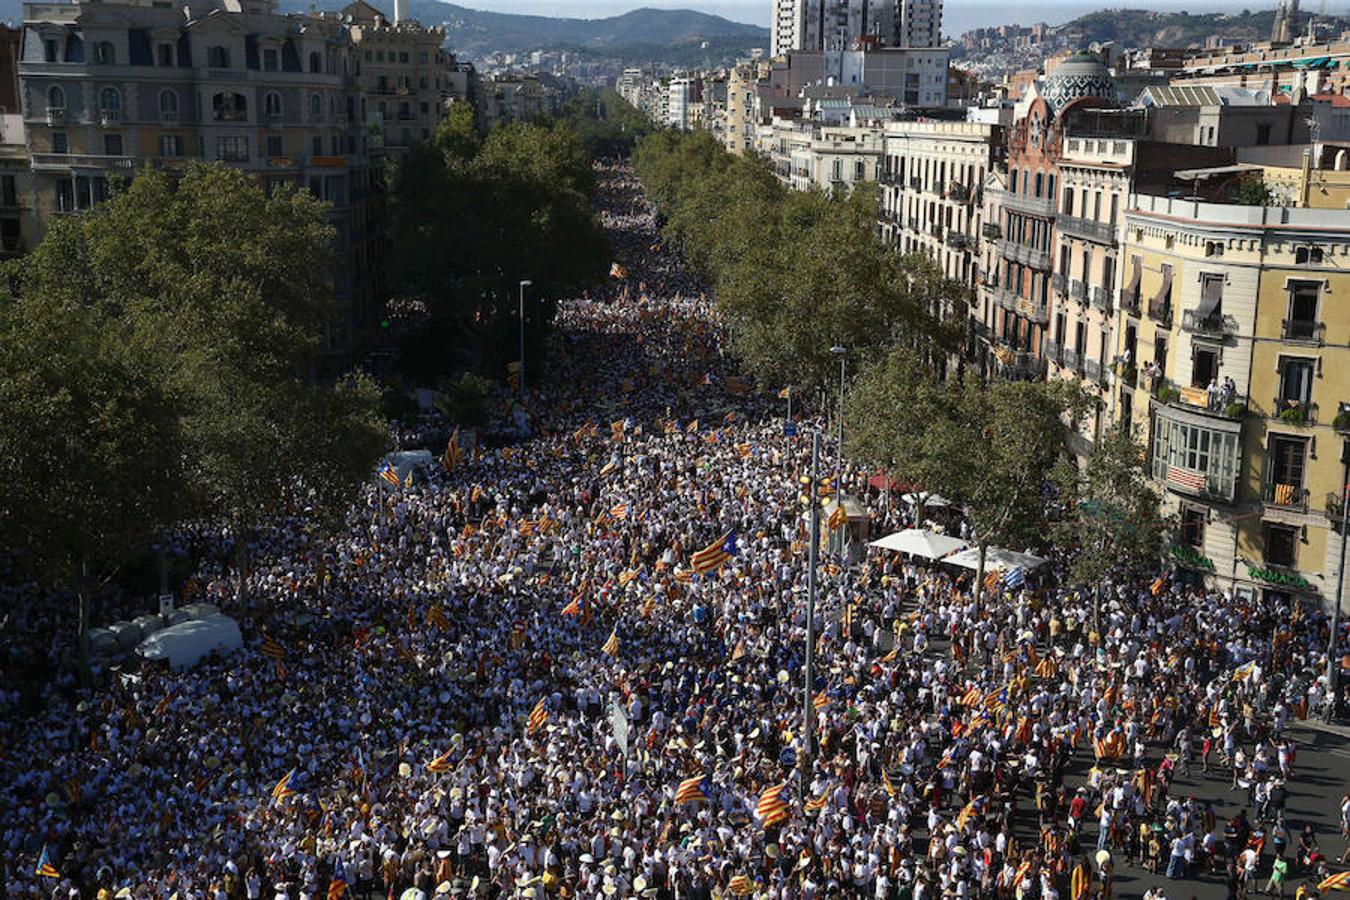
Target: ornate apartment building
{"type": "Point", "coordinates": [112, 87]}
{"type": "Point", "coordinates": [1236, 380]}
{"type": "Point", "coordinates": [932, 191]}
{"type": "Point", "coordinates": [405, 75]}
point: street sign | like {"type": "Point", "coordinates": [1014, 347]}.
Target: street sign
{"type": "Point", "coordinates": [788, 758]}
{"type": "Point", "coordinates": [790, 428]}
{"type": "Point", "coordinates": [165, 604]}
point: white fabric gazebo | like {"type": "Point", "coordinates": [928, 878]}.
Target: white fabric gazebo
{"type": "Point", "coordinates": [920, 542]}
{"type": "Point", "coordinates": [995, 559]}
{"type": "Point", "coordinates": [927, 499]}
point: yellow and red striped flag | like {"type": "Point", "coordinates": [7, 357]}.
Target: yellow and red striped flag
{"type": "Point", "coordinates": [772, 808]}
{"type": "Point", "coordinates": [740, 885]}
{"type": "Point", "coordinates": [1338, 882]}
{"type": "Point", "coordinates": [819, 802]}
{"type": "Point", "coordinates": [538, 716]}
{"type": "Point", "coordinates": [611, 646]}
{"type": "Point", "coordinates": [820, 700]}
{"type": "Point", "coordinates": [715, 554]}
{"type": "Point", "coordinates": [692, 790]}
{"type": "Point", "coordinates": [440, 764]}
{"type": "Point", "coordinates": [283, 787]}
{"type": "Point", "coordinates": [270, 647]}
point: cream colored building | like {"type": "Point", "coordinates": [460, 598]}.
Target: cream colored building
{"type": "Point", "coordinates": [404, 74]}
{"type": "Point", "coordinates": [833, 158]}
{"type": "Point", "coordinates": [1095, 181]}
{"type": "Point", "coordinates": [932, 191]}
{"type": "Point", "coordinates": [1238, 376]}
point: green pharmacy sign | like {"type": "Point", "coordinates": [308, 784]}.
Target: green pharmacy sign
{"type": "Point", "coordinates": [1273, 576]}
{"type": "Point", "coordinates": [1188, 557]}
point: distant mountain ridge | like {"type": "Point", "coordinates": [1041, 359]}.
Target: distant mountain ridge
{"type": "Point", "coordinates": [474, 32]}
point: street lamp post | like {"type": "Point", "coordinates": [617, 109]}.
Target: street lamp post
{"type": "Point", "coordinates": [808, 704]}
{"type": "Point", "coordinates": [1333, 642]}
{"type": "Point", "coordinates": [523, 285]}
{"type": "Point", "coordinates": [842, 353]}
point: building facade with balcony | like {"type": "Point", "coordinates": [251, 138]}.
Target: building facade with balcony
{"type": "Point", "coordinates": [405, 75]}
{"type": "Point", "coordinates": [1026, 284]}
{"type": "Point", "coordinates": [1238, 371]}
{"type": "Point", "coordinates": [110, 88]}
{"type": "Point", "coordinates": [932, 183]}
{"type": "Point", "coordinates": [1095, 176]}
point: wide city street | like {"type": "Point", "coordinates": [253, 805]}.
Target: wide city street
{"type": "Point", "coordinates": [571, 665]}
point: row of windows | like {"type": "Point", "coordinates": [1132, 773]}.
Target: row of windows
{"type": "Point", "coordinates": [233, 149]}
{"type": "Point", "coordinates": [271, 59]}
{"type": "Point", "coordinates": [1042, 185]}
{"type": "Point", "coordinates": [402, 56]}
{"type": "Point", "coordinates": [225, 105]}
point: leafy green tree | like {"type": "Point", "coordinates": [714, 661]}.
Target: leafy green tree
{"type": "Point", "coordinates": [605, 122]}
{"type": "Point", "coordinates": [1111, 513]}
{"type": "Point", "coordinates": [457, 138]}
{"type": "Point", "coordinates": [795, 272]}
{"type": "Point", "coordinates": [91, 449]}
{"type": "Point", "coordinates": [221, 287]}
{"type": "Point", "coordinates": [989, 448]}
{"type": "Point", "coordinates": [1002, 443]}
{"type": "Point", "coordinates": [467, 230]}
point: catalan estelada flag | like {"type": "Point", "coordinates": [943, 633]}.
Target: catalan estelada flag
{"type": "Point", "coordinates": [785, 393]}
{"type": "Point", "coordinates": [573, 608]}
{"type": "Point", "coordinates": [1338, 882]}
{"type": "Point", "coordinates": [44, 865]}
{"type": "Point", "coordinates": [440, 764]}
{"type": "Point", "coordinates": [390, 474]}
{"type": "Point", "coordinates": [611, 646]}
{"type": "Point", "coordinates": [817, 804]}
{"type": "Point", "coordinates": [619, 511]}
{"type": "Point", "coordinates": [715, 554]}
{"type": "Point", "coordinates": [691, 790]}
{"type": "Point", "coordinates": [338, 885]}
{"type": "Point", "coordinates": [838, 518]}
{"type": "Point", "coordinates": [886, 782]}
{"type": "Point", "coordinates": [270, 647]}
{"type": "Point", "coordinates": [283, 787]}
{"type": "Point", "coordinates": [821, 700]}
{"type": "Point", "coordinates": [772, 808]}
{"type": "Point", "coordinates": [538, 716]}
{"type": "Point", "coordinates": [454, 454]}
{"type": "Point", "coordinates": [740, 885]}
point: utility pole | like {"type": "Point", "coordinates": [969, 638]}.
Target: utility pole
{"type": "Point", "coordinates": [808, 696]}
{"type": "Point", "coordinates": [1333, 642]}
{"type": "Point", "coordinates": [523, 286]}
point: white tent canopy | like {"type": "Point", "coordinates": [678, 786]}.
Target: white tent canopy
{"type": "Point", "coordinates": [920, 542]}
{"type": "Point", "coordinates": [928, 499]}
{"type": "Point", "coordinates": [995, 559]}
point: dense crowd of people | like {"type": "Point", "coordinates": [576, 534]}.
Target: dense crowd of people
{"type": "Point", "coordinates": [505, 680]}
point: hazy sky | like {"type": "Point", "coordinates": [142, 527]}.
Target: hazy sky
{"type": "Point", "coordinates": [958, 16]}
